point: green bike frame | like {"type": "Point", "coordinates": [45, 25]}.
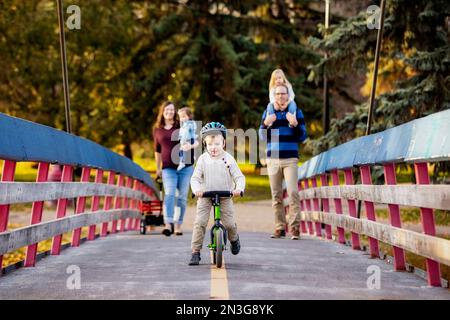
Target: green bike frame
{"type": "Point", "coordinates": [217, 226]}
{"type": "Point", "coordinates": [217, 213]}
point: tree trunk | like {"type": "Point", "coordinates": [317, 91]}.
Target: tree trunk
{"type": "Point", "coordinates": [127, 150]}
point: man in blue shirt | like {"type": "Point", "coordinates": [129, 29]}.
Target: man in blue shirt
{"type": "Point", "coordinates": [284, 132]}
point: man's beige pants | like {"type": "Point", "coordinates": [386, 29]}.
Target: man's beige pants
{"type": "Point", "coordinates": [278, 169]}
{"type": "Point", "coordinates": [201, 221]}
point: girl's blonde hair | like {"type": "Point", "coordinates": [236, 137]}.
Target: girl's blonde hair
{"type": "Point", "coordinates": [272, 78]}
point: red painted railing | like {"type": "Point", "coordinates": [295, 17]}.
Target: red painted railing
{"type": "Point", "coordinates": [131, 204]}
{"type": "Point", "coordinates": [419, 143]}
{"type": "Point", "coordinates": [320, 199]}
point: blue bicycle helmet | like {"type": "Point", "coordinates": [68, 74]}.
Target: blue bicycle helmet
{"type": "Point", "coordinates": [213, 128]}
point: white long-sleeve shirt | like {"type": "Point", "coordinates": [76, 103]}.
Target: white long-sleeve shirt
{"type": "Point", "coordinates": [218, 173]}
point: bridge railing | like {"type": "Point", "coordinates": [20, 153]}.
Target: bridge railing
{"type": "Point", "coordinates": [127, 184]}
{"type": "Point", "coordinates": [420, 142]}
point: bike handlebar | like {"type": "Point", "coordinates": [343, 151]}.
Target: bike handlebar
{"type": "Point", "coordinates": [221, 194]}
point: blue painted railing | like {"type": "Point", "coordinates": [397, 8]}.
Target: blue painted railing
{"type": "Point", "coordinates": [426, 139]}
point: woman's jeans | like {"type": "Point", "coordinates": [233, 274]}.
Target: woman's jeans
{"type": "Point", "coordinates": [174, 179]}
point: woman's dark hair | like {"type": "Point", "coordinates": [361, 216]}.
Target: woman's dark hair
{"type": "Point", "coordinates": [160, 118]}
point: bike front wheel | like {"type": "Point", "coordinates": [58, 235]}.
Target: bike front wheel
{"type": "Point", "coordinates": [219, 247]}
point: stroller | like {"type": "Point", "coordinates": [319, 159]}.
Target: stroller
{"type": "Point", "coordinates": [151, 211]}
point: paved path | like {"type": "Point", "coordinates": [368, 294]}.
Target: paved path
{"type": "Point", "coordinates": [132, 266]}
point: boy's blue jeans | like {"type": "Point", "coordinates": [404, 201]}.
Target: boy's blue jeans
{"type": "Point", "coordinates": [174, 179]}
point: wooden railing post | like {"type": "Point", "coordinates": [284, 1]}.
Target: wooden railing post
{"type": "Point", "coordinates": [366, 178]}
{"type": "Point", "coordinates": [108, 202]}
{"type": "Point", "coordinates": [394, 216]}
{"type": "Point", "coordinates": [36, 214]}
{"type": "Point", "coordinates": [338, 206]}
{"type": "Point", "coordinates": [127, 206]}
{"type": "Point", "coordinates": [95, 204]}
{"type": "Point", "coordinates": [428, 225]}
{"type": "Point", "coordinates": [302, 208]}
{"type": "Point", "coordinates": [142, 188]}
{"type": "Point", "coordinates": [308, 207]}
{"type": "Point", "coordinates": [145, 189]}
{"type": "Point", "coordinates": [8, 172]}
{"type": "Point", "coordinates": [316, 208]}
{"type": "Point", "coordinates": [137, 204]}
{"type": "Point", "coordinates": [117, 204]}
{"type": "Point", "coordinates": [348, 177]}
{"type": "Point", "coordinates": [137, 186]}
{"type": "Point", "coordinates": [326, 206]}
{"type": "Point", "coordinates": [80, 207]}
{"type": "Point", "coordinates": [61, 208]}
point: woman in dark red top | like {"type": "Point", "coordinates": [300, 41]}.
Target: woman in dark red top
{"type": "Point", "coordinates": [165, 136]}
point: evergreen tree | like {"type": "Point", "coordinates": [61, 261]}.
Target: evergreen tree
{"type": "Point", "coordinates": [217, 56]}
{"type": "Point", "coordinates": [416, 37]}
{"type": "Point", "coordinates": [129, 56]}
{"type": "Point", "coordinates": [31, 81]}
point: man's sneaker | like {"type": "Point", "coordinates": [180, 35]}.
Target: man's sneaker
{"type": "Point", "coordinates": [235, 246]}
{"type": "Point", "coordinates": [278, 234]}
{"type": "Point", "coordinates": [295, 235]}
{"type": "Point", "coordinates": [195, 259]}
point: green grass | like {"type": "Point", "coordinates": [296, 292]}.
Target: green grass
{"type": "Point", "coordinates": [257, 188]}
{"type": "Point", "coordinates": [148, 165]}
{"type": "Point", "coordinates": [25, 171]}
